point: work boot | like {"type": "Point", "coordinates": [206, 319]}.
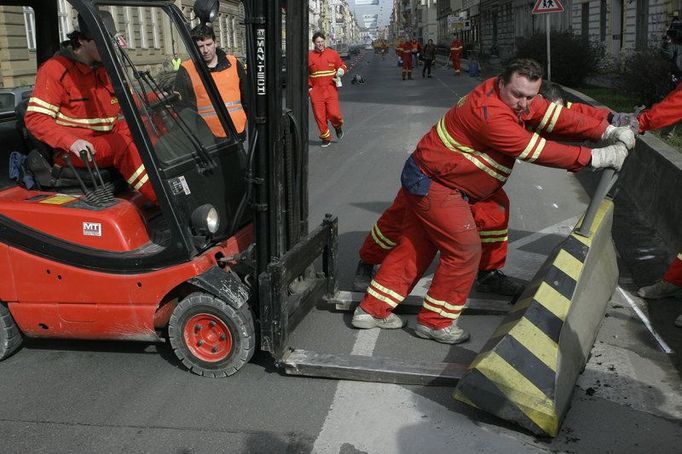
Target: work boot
{"type": "Point", "coordinates": [403, 76]}
{"type": "Point", "coordinates": [363, 320]}
{"type": "Point", "coordinates": [363, 276]}
{"type": "Point", "coordinates": [339, 132]}
{"type": "Point", "coordinates": [449, 335]}
{"type": "Point", "coordinates": [496, 281]}
{"type": "Point", "coordinates": [660, 289]}
{"type": "Point", "coordinates": [326, 143]}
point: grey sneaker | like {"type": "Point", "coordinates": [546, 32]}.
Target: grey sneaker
{"type": "Point", "coordinates": [363, 320]}
{"type": "Point", "coordinates": [363, 276]}
{"type": "Point", "coordinates": [339, 133]}
{"type": "Point", "coordinates": [449, 335]}
{"type": "Point", "coordinates": [660, 289]}
{"type": "Point", "coordinates": [496, 281]}
{"type": "Point", "coordinates": [325, 143]}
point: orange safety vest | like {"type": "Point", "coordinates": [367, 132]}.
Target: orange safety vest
{"type": "Point", "coordinates": [227, 82]}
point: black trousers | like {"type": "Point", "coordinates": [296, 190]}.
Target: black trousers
{"type": "Point", "coordinates": [427, 67]}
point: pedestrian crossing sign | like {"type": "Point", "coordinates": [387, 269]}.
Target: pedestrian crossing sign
{"type": "Point", "coordinates": [547, 6]}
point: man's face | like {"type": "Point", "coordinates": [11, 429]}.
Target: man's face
{"type": "Point", "coordinates": [89, 50]}
{"type": "Point", "coordinates": [319, 44]}
{"type": "Point", "coordinates": [519, 92]}
{"type": "Point", "coordinates": [207, 49]}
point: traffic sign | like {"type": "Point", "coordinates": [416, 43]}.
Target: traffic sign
{"type": "Point", "coordinates": [547, 6]}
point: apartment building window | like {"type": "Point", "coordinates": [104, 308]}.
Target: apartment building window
{"type": "Point", "coordinates": [234, 34]}
{"type": "Point", "coordinates": [65, 24]}
{"type": "Point", "coordinates": [642, 24]}
{"type": "Point", "coordinates": [228, 34]}
{"type": "Point", "coordinates": [585, 22]}
{"type": "Point", "coordinates": [221, 30]}
{"type": "Point", "coordinates": [30, 24]}
{"type": "Point", "coordinates": [114, 15]}
{"type": "Point", "coordinates": [144, 40]}
{"type": "Point", "coordinates": [156, 36]}
{"type": "Point", "coordinates": [130, 30]}
{"type": "Point", "coordinates": [602, 20]}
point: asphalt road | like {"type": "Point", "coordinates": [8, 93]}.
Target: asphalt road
{"type": "Point", "coordinates": [60, 397]}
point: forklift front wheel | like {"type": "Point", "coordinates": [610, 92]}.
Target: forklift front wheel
{"type": "Point", "coordinates": [10, 336]}
{"type": "Point", "coordinates": [210, 337]}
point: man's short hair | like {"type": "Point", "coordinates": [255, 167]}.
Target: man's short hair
{"type": "Point", "coordinates": [202, 32]}
{"type": "Point", "coordinates": [526, 67]}
{"type": "Point", "coordinates": [319, 35]}
{"type": "Point", "coordinates": [552, 92]}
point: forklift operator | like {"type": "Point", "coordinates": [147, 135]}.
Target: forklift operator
{"type": "Point", "coordinates": [74, 109]}
{"type": "Point", "coordinates": [229, 76]}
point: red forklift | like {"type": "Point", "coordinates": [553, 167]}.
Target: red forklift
{"type": "Point", "coordinates": [225, 264]}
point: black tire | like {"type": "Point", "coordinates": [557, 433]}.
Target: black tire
{"type": "Point", "coordinates": [210, 337]}
{"type": "Point", "coordinates": [10, 336]}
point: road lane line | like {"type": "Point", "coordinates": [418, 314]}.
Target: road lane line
{"type": "Point", "coordinates": [659, 340]}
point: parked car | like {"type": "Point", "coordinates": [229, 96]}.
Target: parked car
{"type": "Point", "coordinates": [343, 50]}
{"type": "Point", "coordinates": [10, 99]}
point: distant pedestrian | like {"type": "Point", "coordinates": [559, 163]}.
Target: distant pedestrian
{"type": "Point", "coordinates": [404, 51]}
{"type": "Point", "coordinates": [455, 54]}
{"type": "Point", "coordinates": [429, 55]}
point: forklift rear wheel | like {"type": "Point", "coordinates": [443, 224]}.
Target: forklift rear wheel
{"type": "Point", "coordinates": [210, 337]}
{"type": "Point", "coordinates": [10, 336]}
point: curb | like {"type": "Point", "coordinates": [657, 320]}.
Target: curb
{"type": "Point", "coordinates": [652, 179]}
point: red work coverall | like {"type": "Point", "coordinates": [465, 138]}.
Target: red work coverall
{"type": "Point", "coordinates": [466, 158]}
{"type": "Point", "coordinates": [404, 51]}
{"type": "Point", "coordinates": [662, 114]}
{"type": "Point", "coordinates": [324, 96]}
{"type": "Point", "coordinates": [455, 54]}
{"type": "Point", "coordinates": [601, 113]}
{"type": "Point", "coordinates": [74, 101]}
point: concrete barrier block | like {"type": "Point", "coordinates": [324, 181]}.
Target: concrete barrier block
{"type": "Point", "coordinates": [527, 371]}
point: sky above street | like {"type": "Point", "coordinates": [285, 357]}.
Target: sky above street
{"type": "Point", "coordinates": [383, 9]}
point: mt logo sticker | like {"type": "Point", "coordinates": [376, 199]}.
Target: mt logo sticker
{"type": "Point", "coordinates": [92, 229]}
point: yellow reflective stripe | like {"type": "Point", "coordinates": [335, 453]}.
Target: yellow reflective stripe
{"type": "Point", "coordinates": [86, 121]}
{"type": "Point", "coordinates": [440, 311]}
{"type": "Point", "coordinates": [380, 239]}
{"type": "Point", "coordinates": [381, 297]}
{"type": "Point", "coordinates": [326, 134]}
{"type": "Point", "coordinates": [548, 114]}
{"type": "Point", "coordinates": [142, 181]}
{"type": "Point", "coordinates": [387, 291]}
{"type": "Point", "coordinates": [538, 150]}
{"type": "Point", "coordinates": [531, 143]}
{"type": "Point", "coordinates": [323, 74]}
{"type": "Point", "coordinates": [555, 117]}
{"type": "Point", "coordinates": [137, 173]}
{"type": "Point", "coordinates": [679, 256]}
{"type": "Point", "coordinates": [568, 104]}
{"type": "Point", "coordinates": [445, 304]}
{"type": "Point", "coordinates": [37, 109]}
{"type": "Point", "coordinates": [494, 240]}
{"type": "Point", "coordinates": [42, 103]}
{"type": "Point", "coordinates": [467, 152]}
{"type": "Point", "coordinates": [493, 232]}
{"type": "Point", "coordinates": [94, 128]}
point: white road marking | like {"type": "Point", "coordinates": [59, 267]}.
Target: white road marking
{"type": "Point", "coordinates": [659, 340]}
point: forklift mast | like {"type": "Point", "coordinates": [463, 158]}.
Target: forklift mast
{"type": "Point", "coordinates": [285, 251]}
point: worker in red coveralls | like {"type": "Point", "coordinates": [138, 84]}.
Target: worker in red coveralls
{"type": "Point", "coordinates": [465, 159]}
{"type": "Point", "coordinates": [404, 51]}
{"type": "Point", "coordinates": [73, 108]}
{"type": "Point", "coordinates": [491, 218]}
{"type": "Point", "coordinates": [325, 69]}
{"type": "Point", "coordinates": [665, 113]}
{"type": "Point", "coordinates": [456, 54]}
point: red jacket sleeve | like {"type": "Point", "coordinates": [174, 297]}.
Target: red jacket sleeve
{"type": "Point", "coordinates": [43, 108]}
{"type": "Point", "coordinates": [339, 63]}
{"type": "Point", "coordinates": [600, 113]}
{"type": "Point", "coordinates": [505, 134]}
{"type": "Point", "coordinates": [662, 114]}
{"type": "Point", "coordinates": [551, 119]}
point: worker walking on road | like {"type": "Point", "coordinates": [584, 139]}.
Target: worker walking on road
{"type": "Point", "coordinates": [404, 51]}
{"type": "Point", "coordinates": [325, 69]}
{"type": "Point", "coordinates": [73, 109]}
{"type": "Point", "coordinates": [455, 54]}
{"type": "Point", "coordinates": [465, 159]}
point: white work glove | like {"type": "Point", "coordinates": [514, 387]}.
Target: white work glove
{"type": "Point", "coordinates": [340, 72]}
{"type": "Point", "coordinates": [611, 156]}
{"type": "Point", "coordinates": [620, 134]}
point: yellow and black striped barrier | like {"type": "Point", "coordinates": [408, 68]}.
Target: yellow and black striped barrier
{"type": "Point", "coordinates": [528, 369]}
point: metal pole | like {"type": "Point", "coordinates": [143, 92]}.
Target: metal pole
{"type": "Point", "coordinates": [549, 56]}
{"type": "Point", "coordinates": [608, 178]}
